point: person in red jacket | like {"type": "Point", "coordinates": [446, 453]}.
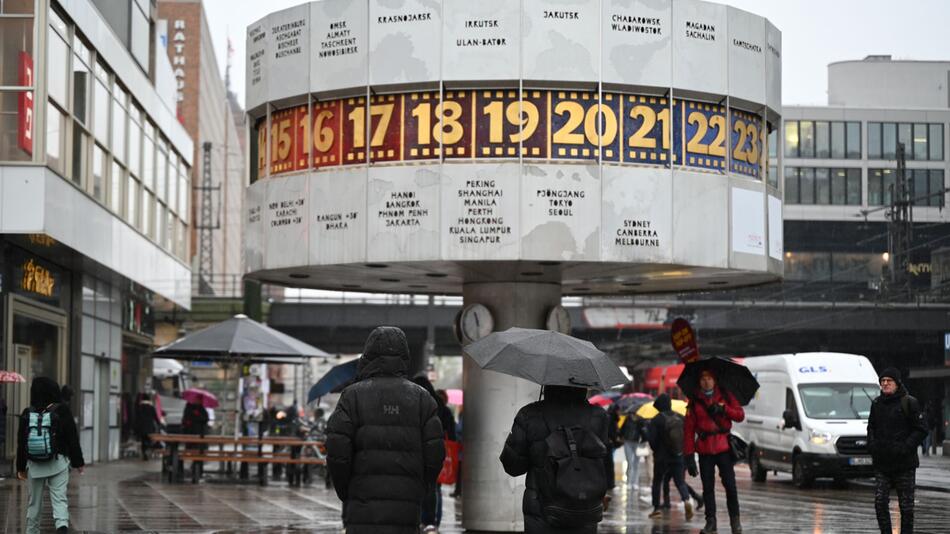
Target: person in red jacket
{"type": "Point", "coordinates": [709, 418]}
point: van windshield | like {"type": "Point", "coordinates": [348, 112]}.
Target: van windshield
{"type": "Point", "coordinates": [838, 401]}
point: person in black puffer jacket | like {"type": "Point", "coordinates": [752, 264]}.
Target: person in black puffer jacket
{"type": "Point", "coordinates": [525, 450]}
{"type": "Point", "coordinates": [384, 441]}
{"type": "Point", "coordinates": [896, 427]}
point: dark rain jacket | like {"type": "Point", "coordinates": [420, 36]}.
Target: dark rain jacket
{"type": "Point", "coordinates": [384, 441]}
{"type": "Point", "coordinates": [43, 392]}
{"type": "Point", "coordinates": [657, 433]}
{"type": "Point", "coordinates": [700, 430]}
{"type": "Point", "coordinates": [893, 436]}
{"type": "Point", "coordinates": [525, 451]}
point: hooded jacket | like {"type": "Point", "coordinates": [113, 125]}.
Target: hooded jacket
{"type": "Point", "coordinates": [700, 431]}
{"type": "Point", "coordinates": [525, 451]}
{"type": "Point", "coordinates": [657, 431]}
{"type": "Point", "coordinates": [893, 436]}
{"type": "Point", "coordinates": [384, 441]}
{"type": "Point", "coordinates": [44, 392]}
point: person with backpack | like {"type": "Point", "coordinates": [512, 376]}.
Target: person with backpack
{"type": "Point", "coordinates": [665, 434]}
{"type": "Point", "coordinates": [709, 417]}
{"type": "Point", "coordinates": [147, 422]}
{"type": "Point", "coordinates": [560, 442]}
{"type": "Point", "coordinates": [47, 446]}
{"type": "Point", "coordinates": [896, 427]}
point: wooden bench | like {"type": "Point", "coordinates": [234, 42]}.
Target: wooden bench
{"type": "Point", "coordinates": [298, 467]}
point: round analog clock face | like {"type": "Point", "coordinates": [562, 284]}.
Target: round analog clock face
{"type": "Point", "coordinates": [475, 322]}
{"type": "Point", "coordinates": [559, 320]}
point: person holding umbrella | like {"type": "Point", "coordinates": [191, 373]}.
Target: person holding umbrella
{"type": "Point", "coordinates": [709, 418]}
{"type": "Point", "coordinates": [560, 442]}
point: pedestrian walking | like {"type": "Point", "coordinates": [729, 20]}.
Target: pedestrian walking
{"type": "Point", "coordinates": [3, 420]}
{"type": "Point", "coordinates": [709, 419]}
{"type": "Point", "coordinates": [47, 446]}
{"type": "Point", "coordinates": [432, 502]}
{"type": "Point", "coordinates": [614, 442]}
{"type": "Point", "coordinates": [665, 435]}
{"type": "Point", "coordinates": [565, 431]}
{"type": "Point", "coordinates": [932, 417]}
{"type": "Point", "coordinates": [631, 435]}
{"type": "Point", "coordinates": [896, 427]}
{"type": "Point", "coordinates": [384, 441]}
{"type": "Point", "coordinates": [458, 434]}
{"type": "Point", "coordinates": [147, 422]}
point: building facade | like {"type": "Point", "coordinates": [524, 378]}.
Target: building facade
{"type": "Point", "coordinates": [205, 107]}
{"type": "Point", "coordinates": [94, 205]}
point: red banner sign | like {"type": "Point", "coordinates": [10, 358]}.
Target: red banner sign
{"type": "Point", "coordinates": [25, 105]}
{"type": "Point", "coordinates": [684, 340]}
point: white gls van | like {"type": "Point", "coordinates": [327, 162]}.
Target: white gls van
{"type": "Point", "coordinates": [809, 416]}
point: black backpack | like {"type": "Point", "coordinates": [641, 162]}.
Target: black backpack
{"type": "Point", "coordinates": [673, 439]}
{"type": "Point", "coordinates": [575, 479]}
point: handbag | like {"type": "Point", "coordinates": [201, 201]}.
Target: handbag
{"type": "Point", "coordinates": [450, 465]}
{"type": "Point", "coordinates": [738, 449]}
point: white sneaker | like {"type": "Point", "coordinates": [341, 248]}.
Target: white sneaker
{"type": "Point", "coordinates": [431, 528]}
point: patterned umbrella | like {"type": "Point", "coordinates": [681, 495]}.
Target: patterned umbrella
{"type": "Point", "coordinates": [10, 377]}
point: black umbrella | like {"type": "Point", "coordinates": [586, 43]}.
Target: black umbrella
{"type": "Point", "coordinates": [240, 339]}
{"type": "Point", "coordinates": [547, 358]}
{"type": "Point", "coordinates": [730, 376]}
{"type": "Point", "coordinates": [337, 375]}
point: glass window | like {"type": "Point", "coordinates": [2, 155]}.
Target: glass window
{"type": "Point", "coordinates": [807, 133]}
{"type": "Point", "coordinates": [173, 182]}
{"type": "Point", "coordinates": [822, 140]}
{"type": "Point", "coordinates": [148, 163]}
{"type": "Point", "coordinates": [146, 209]}
{"type": "Point", "coordinates": [98, 173]}
{"type": "Point", "coordinates": [16, 7]}
{"type": "Point", "coordinates": [854, 140]}
{"type": "Point", "coordinates": [183, 196]}
{"type": "Point", "coordinates": [905, 137]}
{"type": "Point", "coordinates": [81, 80]}
{"type": "Point", "coordinates": [115, 189]}
{"type": "Point", "coordinates": [160, 224]}
{"type": "Point", "coordinates": [55, 138]}
{"type": "Point", "coordinates": [837, 140]}
{"type": "Point", "coordinates": [838, 401]}
{"type": "Point", "coordinates": [889, 137]}
{"type": "Point", "coordinates": [791, 185]}
{"type": "Point", "coordinates": [135, 148]}
{"type": "Point", "coordinates": [100, 108]}
{"type": "Point", "coordinates": [118, 127]}
{"type": "Point", "coordinates": [140, 37]}
{"type": "Point", "coordinates": [874, 140]}
{"type": "Point", "coordinates": [773, 176]}
{"type": "Point", "coordinates": [920, 141]}
{"type": "Point", "coordinates": [936, 188]}
{"type": "Point", "coordinates": [807, 185]}
{"type": "Point", "coordinates": [791, 139]}
{"type": "Point", "coordinates": [822, 186]}
{"type": "Point", "coordinates": [132, 201]}
{"type": "Point", "coordinates": [839, 186]}
{"type": "Point", "coordinates": [16, 47]}
{"type": "Point", "coordinates": [80, 150]}
{"type": "Point", "coordinates": [58, 55]}
{"type": "Point", "coordinates": [919, 182]}
{"type": "Point", "coordinates": [854, 187]}
{"type": "Point", "coordinates": [161, 173]}
{"type": "Point", "coordinates": [773, 144]}
{"type": "Point", "coordinates": [874, 187]}
{"type": "Point", "coordinates": [11, 123]}
{"type": "Point", "coordinates": [936, 142]}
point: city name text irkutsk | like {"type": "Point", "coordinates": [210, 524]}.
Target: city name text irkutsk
{"type": "Point", "coordinates": [409, 17]}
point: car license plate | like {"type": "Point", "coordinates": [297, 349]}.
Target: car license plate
{"type": "Point", "coordinates": [860, 461]}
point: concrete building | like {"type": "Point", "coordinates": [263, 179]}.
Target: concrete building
{"type": "Point", "coordinates": [94, 207]}
{"type": "Point", "coordinates": [209, 114]}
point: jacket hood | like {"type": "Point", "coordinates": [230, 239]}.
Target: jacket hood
{"type": "Point", "coordinates": [43, 392]}
{"type": "Point", "coordinates": [663, 403]}
{"type": "Point", "coordinates": [565, 394]}
{"type": "Point", "coordinates": [386, 353]}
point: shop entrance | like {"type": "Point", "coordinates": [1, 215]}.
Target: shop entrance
{"type": "Point", "coordinates": [36, 346]}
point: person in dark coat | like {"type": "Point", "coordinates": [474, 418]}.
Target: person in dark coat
{"type": "Point", "coordinates": [896, 427]}
{"type": "Point", "coordinates": [45, 396]}
{"type": "Point", "coordinates": [709, 417]}
{"type": "Point", "coordinates": [384, 441]}
{"type": "Point", "coordinates": [3, 420]}
{"type": "Point", "coordinates": [432, 502]}
{"type": "Point", "coordinates": [525, 450]}
{"type": "Point", "coordinates": [147, 422]}
{"type": "Point", "coordinates": [665, 434]}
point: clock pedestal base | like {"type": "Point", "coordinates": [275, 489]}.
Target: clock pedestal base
{"type": "Point", "coordinates": [492, 499]}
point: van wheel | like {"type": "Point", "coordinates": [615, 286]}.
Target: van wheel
{"type": "Point", "coordinates": [800, 476]}
{"type": "Point", "coordinates": [758, 472]}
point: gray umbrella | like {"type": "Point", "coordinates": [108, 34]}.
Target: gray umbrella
{"type": "Point", "coordinates": [240, 338]}
{"type": "Point", "coordinates": [547, 358]}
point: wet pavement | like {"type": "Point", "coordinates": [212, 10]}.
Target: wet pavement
{"type": "Point", "coordinates": [128, 496]}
